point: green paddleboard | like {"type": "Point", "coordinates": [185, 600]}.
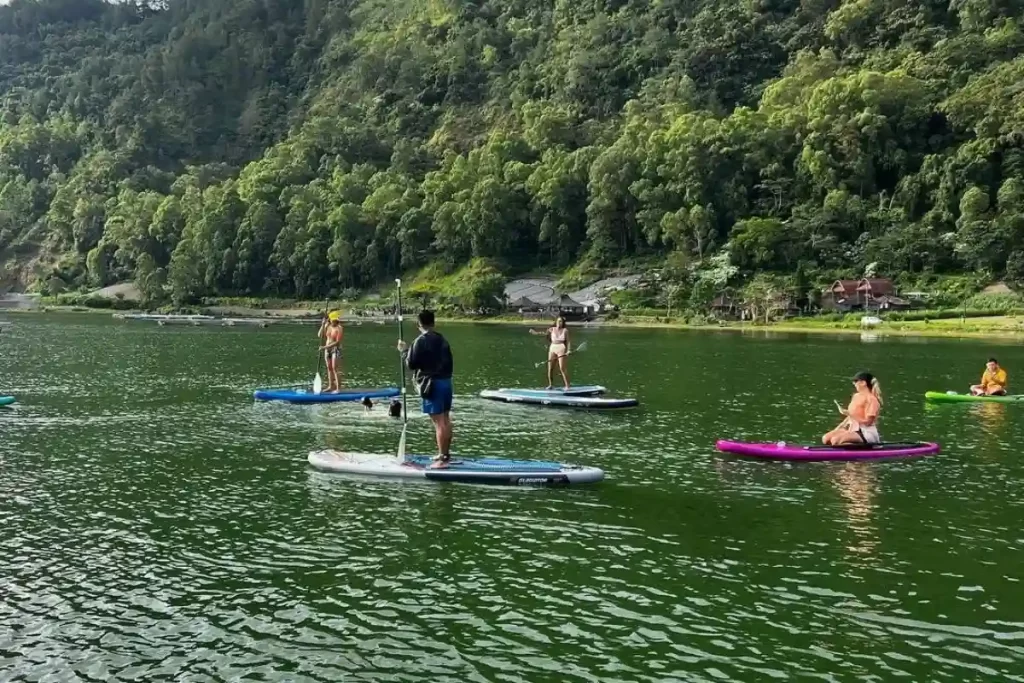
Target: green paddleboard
{"type": "Point", "coordinates": [942, 397]}
{"type": "Point", "coordinates": [6, 400]}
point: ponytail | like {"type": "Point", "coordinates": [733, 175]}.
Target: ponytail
{"type": "Point", "coordinates": [872, 384]}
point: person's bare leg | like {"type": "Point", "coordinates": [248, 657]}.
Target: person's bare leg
{"type": "Point", "coordinates": [439, 421]}
{"type": "Point", "coordinates": [551, 366]}
{"type": "Point", "coordinates": [832, 438]}
{"type": "Point", "coordinates": [846, 438]}
{"type": "Point", "coordinates": [565, 373]}
{"type": "Point", "coordinates": [446, 445]}
{"type": "Point", "coordinates": [332, 376]}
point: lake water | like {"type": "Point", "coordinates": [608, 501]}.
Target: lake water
{"type": "Point", "coordinates": [156, 524]}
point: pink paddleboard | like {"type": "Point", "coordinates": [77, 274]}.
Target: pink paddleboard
{"type": "Point", "coordinates": [775, 451]}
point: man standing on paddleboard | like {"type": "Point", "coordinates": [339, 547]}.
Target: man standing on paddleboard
{"type": "Point", "coordinates": [332, 332]}
{"type": "Point", "coordinates": [430, 359]}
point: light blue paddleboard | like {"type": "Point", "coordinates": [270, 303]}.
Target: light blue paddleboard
{"type": "Point", "coordinates": [582, 390]}
{"type": "Point", "coordinates": [543, 398]}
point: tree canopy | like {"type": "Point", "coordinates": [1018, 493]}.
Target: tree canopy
{"type": "Point", "coordinates": [301, 147]}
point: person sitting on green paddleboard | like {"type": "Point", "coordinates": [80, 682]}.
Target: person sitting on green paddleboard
{"type": "Point", "coordinates": [993, 381]}
{"type": "Point", "coordinates": [430, 358]}
{"type": "Point", "coordinates": [332, 332]}
{"type": "Point", "coordinates": [558, 349]}
{"type": "Point", "coordinates": [860, 424]}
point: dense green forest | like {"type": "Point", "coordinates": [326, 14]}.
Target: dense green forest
{"type": "Point", "coordinates": [301, 147]}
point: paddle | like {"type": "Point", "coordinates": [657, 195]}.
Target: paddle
{"type": "Point", "coordinates": [318, 382]}
{"type": "Point", "coordinates": [846, 418]}
{"type": "Point", "coordinates": [579, 348]}
{"type": "Point", "coordinates": [401, 363]}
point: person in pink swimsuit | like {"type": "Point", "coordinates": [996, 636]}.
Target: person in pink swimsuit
{"type": "Point", "coordinates": [558, 348]}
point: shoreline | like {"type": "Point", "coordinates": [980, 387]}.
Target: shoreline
{"type": "Point", "coordinates": [913, 329]}
{"type": "Point", "coordinates": [994, 327]}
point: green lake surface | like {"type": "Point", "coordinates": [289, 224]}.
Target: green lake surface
{"type": "Point", "coordinates": [156, 524]}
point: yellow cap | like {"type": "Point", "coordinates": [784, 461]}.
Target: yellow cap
{"type": "Point", "coordinates": [334, 315]}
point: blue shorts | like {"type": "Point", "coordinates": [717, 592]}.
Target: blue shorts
{"type": "Point", "coordinates": [440, 400]}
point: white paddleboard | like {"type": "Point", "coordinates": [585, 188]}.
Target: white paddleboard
{"type": "Point", "coordinates": [466, 470]}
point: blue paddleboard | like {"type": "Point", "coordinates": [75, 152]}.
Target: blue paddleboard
{"type": "Point", "coordinates": [292, 396]}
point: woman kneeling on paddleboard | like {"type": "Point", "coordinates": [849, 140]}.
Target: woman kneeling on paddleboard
{"type": "Point", "coordinates": [861, 416]}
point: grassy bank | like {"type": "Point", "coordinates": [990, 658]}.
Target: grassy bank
{"type": "Point", "coordinates": [1002, 327]}
{"type": "Point", "coordinates": [996, 326]}
{"type": "Point", "coordinates": [986, 326]}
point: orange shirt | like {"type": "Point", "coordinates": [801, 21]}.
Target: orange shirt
{"type": "Point", "coordinates": [864, 408]}
{"type": "Point", "coordinates": [991, 379]}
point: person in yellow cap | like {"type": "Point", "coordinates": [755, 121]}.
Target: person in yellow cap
{"type": "Point", "coordinates": [332, 332]}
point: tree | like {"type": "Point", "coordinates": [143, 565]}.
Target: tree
{"type": "Point", "coordinates": [297, 148]}
{"type": "Point", "coordinates": [977, 243]}
{"type": "Point", "coordinates": [765, 296]}
{"type": "Point", "coordinates": [97, 262]}
{"type": "Point", "coordinates": [483, 292]}
{"type": "Point", "coordinates": [151, 281]}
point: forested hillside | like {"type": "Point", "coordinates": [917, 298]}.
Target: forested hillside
{"type": "Point", "coordinates": [297, 147]}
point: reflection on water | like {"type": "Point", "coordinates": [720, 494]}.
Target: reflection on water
{"type": "Point", "coordinates": [991, 419]}
{"type": "Point", "coordinates": [857, 484]}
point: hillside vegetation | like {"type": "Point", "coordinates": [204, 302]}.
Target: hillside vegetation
{"type": "Point", "coordinates": [301, 147]}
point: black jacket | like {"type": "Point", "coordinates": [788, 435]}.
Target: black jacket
{"type": "Point", "coordinates": [430, 356]}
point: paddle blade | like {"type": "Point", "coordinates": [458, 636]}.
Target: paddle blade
{"type": "Point", "coordinates": [401, 442]}
{"type": "Point", "coordinates": [318, 384]}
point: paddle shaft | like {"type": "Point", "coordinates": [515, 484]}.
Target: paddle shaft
{"type": "Point", "coordinates": [401, 358]}
{"type": "Point", "coordinates": [401, 363]}
{"type": "Point", "coordinates": [568, 353]}
{"type": "Point", "coordinates": [319, 353]}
